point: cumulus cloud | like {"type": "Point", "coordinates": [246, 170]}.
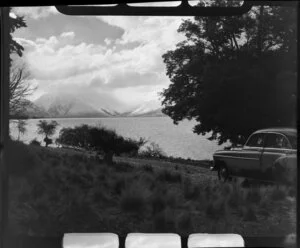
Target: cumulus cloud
{"type": "Point", "coordinates": [54, 58]}
{"type": "Point", "coordinates": [129, 68]}
{"type": "Point", "coordinates": [147, 29]}
{"type": "Point", "coordinates": [35, 12]}
{"type": "Point", "coordinates": [68, 34]}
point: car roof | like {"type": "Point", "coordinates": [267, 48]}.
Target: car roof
{"type": "Point", "coordinates": [282, 130]}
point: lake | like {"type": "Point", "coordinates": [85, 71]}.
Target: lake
{"type": "Point", "coordinates": [175, 140]}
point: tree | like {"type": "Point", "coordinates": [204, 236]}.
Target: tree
{"type": "Point", "coordinates": [236, 74]}
{"type": "Point", "coordinates": [19, 87]}
{"type": "Point", "coordinates": [99, 139]}
{"type": "Point", "coordinates": [15, 22]}
{"type": "Point", "coordinates": [21, 126]}
{"type": "Point", "coordinates": [19, 90]}
{"type": "Point", "coordinates": [78, 137]}
{"type": "Point", "coordinates": [47, 129]}
{"type": "Point", "coordinates": [108, 141]}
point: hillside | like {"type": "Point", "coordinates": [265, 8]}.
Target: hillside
{"type": "Point", "coordinates": [67, 106]}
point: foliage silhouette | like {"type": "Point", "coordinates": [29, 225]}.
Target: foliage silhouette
{"type": "Point", "coordinates": [99, 139]}
{"type": "Point", "coordinates": [235, 74]}
{"type": "Point", "coordinates": [19, 87]}
{"type": "Point", "coordinates": [47, 129]}
{"type": "Point", "coordinates": [21, 126]}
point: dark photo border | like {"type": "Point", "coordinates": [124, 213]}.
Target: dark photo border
{"type": "Point", "coordinates": [121, 9]}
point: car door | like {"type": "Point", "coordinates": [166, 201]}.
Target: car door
{"type": "Point", "coordinates": [250, 156]}
{"type": "Point", "coordinates": [276, 145]}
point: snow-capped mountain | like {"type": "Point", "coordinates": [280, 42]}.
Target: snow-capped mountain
{"type": "Point", "coordinates": [149, 108]}
{"type": "Point", "coordinates": [67, 105]}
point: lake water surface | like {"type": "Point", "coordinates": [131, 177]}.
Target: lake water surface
{"type": "Point", "coordinates": [175, 140]}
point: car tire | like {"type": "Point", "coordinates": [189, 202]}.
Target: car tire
{"type": "Point", "coordinates": [223, 173]}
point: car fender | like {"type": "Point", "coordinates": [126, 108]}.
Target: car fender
{"type": "Point", "coordinates": [284, 168]}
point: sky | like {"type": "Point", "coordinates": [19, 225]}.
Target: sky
{"type": "Point", "coordinates": [115, 59]}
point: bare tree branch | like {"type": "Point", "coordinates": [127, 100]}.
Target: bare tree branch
{"type": "Point", "coordinates": [19, 89]}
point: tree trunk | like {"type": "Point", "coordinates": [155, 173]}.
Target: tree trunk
{"type": "Point", "coordinates": [108, 157]}
{"type": "Point", "coordinates": [47, 141]}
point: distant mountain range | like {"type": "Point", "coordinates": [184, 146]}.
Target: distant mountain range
{"type": "Point", "coordinates": [70, 106]}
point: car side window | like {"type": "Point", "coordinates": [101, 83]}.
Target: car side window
{"type": "Point", "coordinates": [277, 141]}
{"type": "Point", "coordinates": [256, 140]}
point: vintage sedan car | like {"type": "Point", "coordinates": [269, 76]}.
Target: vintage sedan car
{"type": "Point", "coordinates": [268, 154]}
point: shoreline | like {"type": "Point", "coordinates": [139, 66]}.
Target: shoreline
{"type": "Point", "coordinates": [205, 163]}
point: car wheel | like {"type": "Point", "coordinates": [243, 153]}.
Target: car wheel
{"type": "Point", "coordinates": [223, 173]}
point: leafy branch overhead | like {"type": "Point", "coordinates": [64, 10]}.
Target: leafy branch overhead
{"type": "Point", "coordinates": [234, 75]}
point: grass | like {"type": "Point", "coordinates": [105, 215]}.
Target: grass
{"type": "Point", "coordinates": [278, 194]}
{"type": "Point", "coordinates": [167, 175]}
{"type": "Point", "coordinates": [190, 190]}
{"type": "Point", "coordinates": [148, 168]}
{"type": "Point", "coordinates": [133, 200]}
{"type": "Point", "coordinates": [53, 192]}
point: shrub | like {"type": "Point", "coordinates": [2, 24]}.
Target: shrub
{"type": "Point", "coordinates": [47, 129]}
{"type": "Point", "coordinates": [208, 192]}
{"type": "Point", "coordinates": [78, 136]}
{"type": "Point", "coordinates": [119, 185]}
{"type": "Point", "coordinates": [164, 221]}
{"type": "Point", "coordinates": [169, 176]}
{"type": "Point", "coordinates": [133, 200]}
{"type": "Point", "coordinates": [216, 209]}
{"type": "Point", "coordinates": [25, 161]}
{"type": "Point", "coordinates": [171, 199]}
{"type": "Point", "coordinates": [248, 213]}
{"type": "Point", "coordinates": [292, 192]}
{"type": "Point", "coordinates": [122, 167]}
{"type": "Point", "coordinates": [148, 168]}
{"type": "Point", "coordinates": [227, 189]}
{"type": "Point", "coordinates": [55, 162]}
{"type": "Point", "coordinates": [190, 191]}
{"type": "Point", "coordinates": [253, 196]}
{"type": "Point", "coordinates": [158, 202]}
{"type": "Point", "coordinates": [100, 139]}
{"type": "Point", "coordinates": [153, 150]}
{"type": "Point", "coordinates": [99, 195]}
{"type": "Point", "coordinates": [278, 194]}
{"type": "Point", "coordinates": [34, 142]}
{"type": "Point", "coordinates": [185, 222]}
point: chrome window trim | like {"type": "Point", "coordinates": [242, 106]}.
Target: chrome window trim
{"type": "Point", "coordinates": [282, 149]}
{"type": "Point", "coordinates": [272, 132]}
{"type": "Point", "coordinates": [263, 133]}
{"type": "Point", "coordinates": [253, 147]}
{"type": "Point", "coordinates": [228, 156]}
{"type": "Point", "coordinates": [266, 133]}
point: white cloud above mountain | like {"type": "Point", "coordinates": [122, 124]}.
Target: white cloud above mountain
{"type": "Point", "coordinates": [129, 67]}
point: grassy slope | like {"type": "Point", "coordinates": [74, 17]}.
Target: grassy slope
{"type": "Point", "coordinates": [69, 191]}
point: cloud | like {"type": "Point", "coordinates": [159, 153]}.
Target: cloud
{"type": "Point", "coordinates": [35, 12]}
{"type": "Point", "coordinates": [107, 41]}
{"type": "Point", "coordinates": [129, 68]}
{"type": "Point", "coordinates": [54, 58]}
{"type": "Point", "coordinates": [149, 29]}
{"type": "Point", "coordinates": [68, 34]}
